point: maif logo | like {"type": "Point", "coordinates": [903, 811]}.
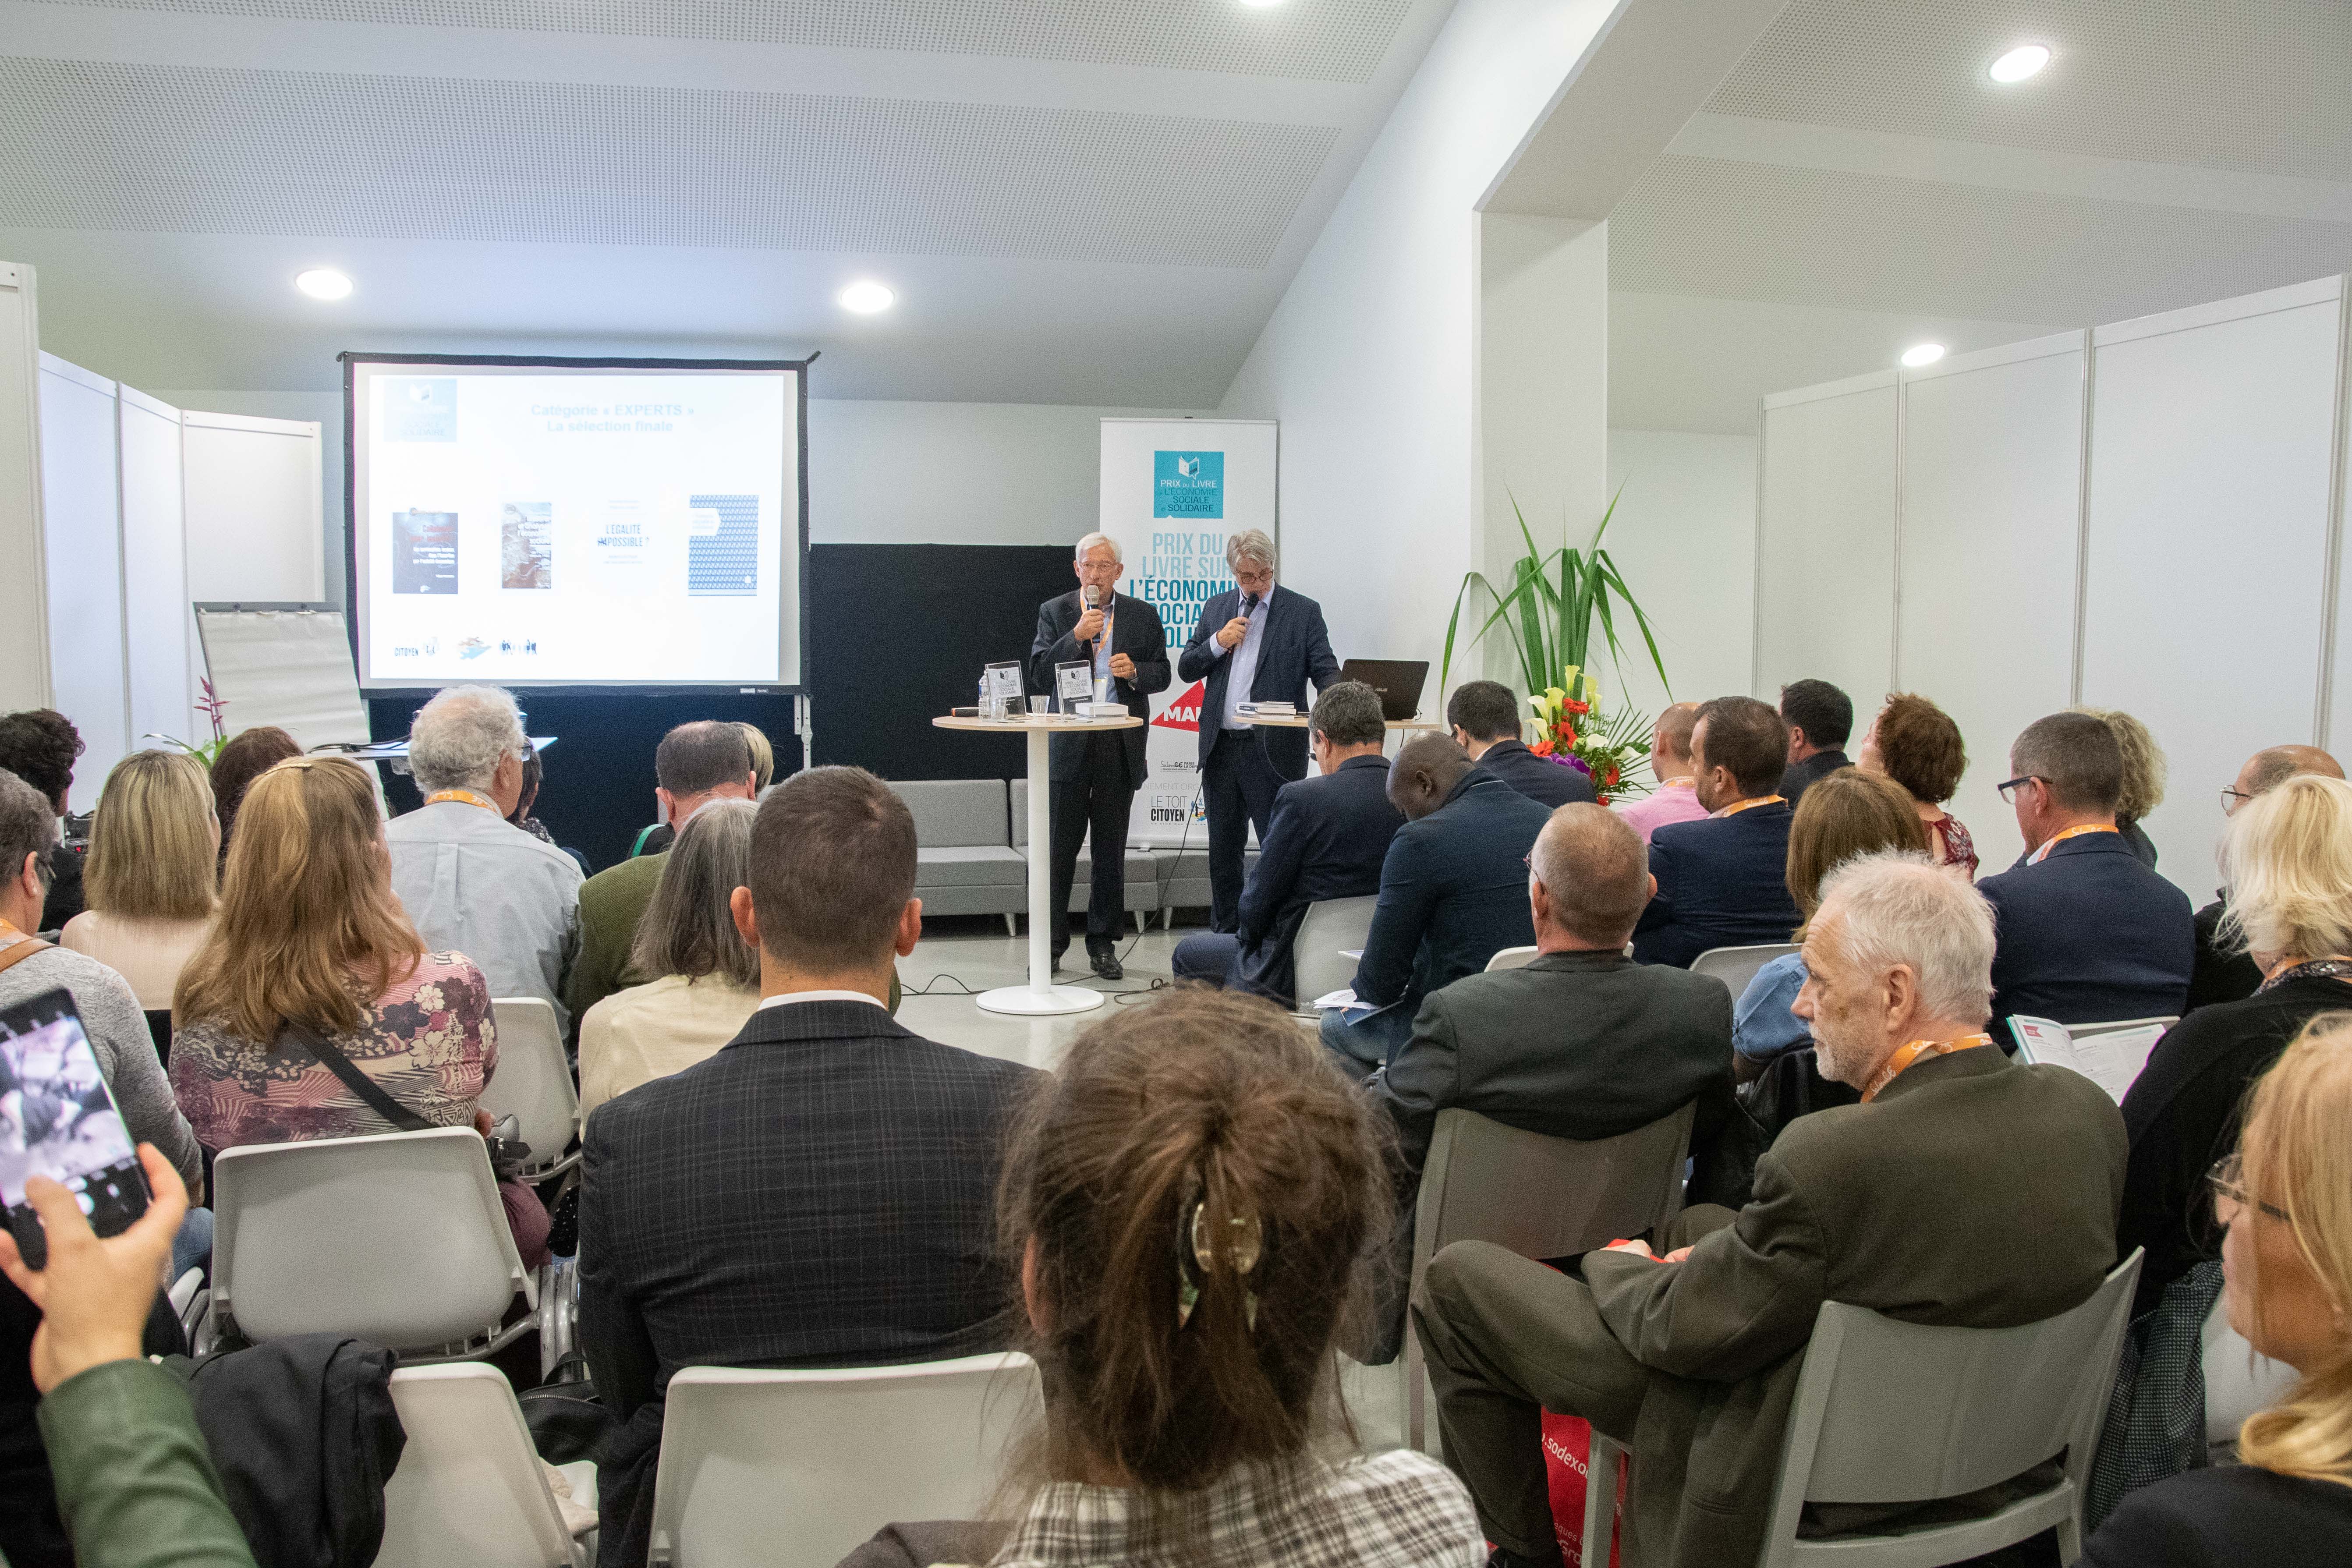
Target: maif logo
{"type": "Point", "coordinates": [1188, 484]}
{"type": "Point", "coordinates": [1184, 712]}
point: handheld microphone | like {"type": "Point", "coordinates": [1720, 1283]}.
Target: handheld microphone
{"type": "Point", "coordinates": [1091, 597]}
{"type": "Point", "coordinates": [1249, 605]}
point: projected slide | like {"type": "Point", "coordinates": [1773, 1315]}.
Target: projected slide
{"type": "Point", "coordinates": [541, 525]}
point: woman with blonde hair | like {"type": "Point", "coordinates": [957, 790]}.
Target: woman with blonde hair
{"type": "Point", "coordinates": [763, 756]}
{"type": "Point", "coordinates": [706, 977]}
{"type": "Point", "coordinates": [312, 950]}
{"type": "Point", "coordinates": [2144, 773]}
{"type": "Point", "coordinates": [2284, 1203]}
{"type": "Point", "coordinates": [149, 877]}
{"type": "Point", "coordinates": [1842, 817]}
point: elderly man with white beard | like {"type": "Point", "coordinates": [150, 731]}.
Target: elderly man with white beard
{"type": "Point", "coordinates": [1965, 1189]}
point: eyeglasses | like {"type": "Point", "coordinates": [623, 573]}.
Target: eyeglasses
{"type": "Point", "coordinates": [2231, 798]}
{"type": "Point", "coordinates": [2009, 790]}
{"type": "Point", "coordinates": [2227, 1178]}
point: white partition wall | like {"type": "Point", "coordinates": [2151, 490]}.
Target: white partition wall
{"type": "Point", "coordinates": [23, 628]}
{"type": "Point", "coordinates": [1825, 551]}
{"type": "Point", "coordinates": [156, 623]}
{"type": "Point", "coordinates": [253, 519]}
{"type": "Point", "coordinates": [2205, 603]}
{"type": "Point", "coordinates": [82, 533]}
{"type": "Point", "coordinates": [1993, 451]}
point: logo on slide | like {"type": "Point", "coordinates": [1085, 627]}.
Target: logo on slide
{"type": "Point", "coordinates": [1188, 484]}
{"type": "Point", "coordinates": [472, 648]}
{"type": "Point", "coordinates": [420, 407]}
{"type": "Point", "coordinates": [1184, 712]}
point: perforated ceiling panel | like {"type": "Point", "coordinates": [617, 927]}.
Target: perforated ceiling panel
{"type": "Point", "coordinates": [2261, 85]}
{"type": "Point", "coordinates": [1322, 40]}
{"type": "Point", "coordinates": [103, 146]}
{"type": "Point", "coordinates": [1802, 236]}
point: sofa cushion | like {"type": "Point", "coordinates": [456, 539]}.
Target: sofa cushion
{"type": "Point", "coordinates": [956, 813]}
{"type": "Point", "coordinates": [971, 865]}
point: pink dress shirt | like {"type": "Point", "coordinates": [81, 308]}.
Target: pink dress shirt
{"type": "Point", "coordinates": [1666, 804]}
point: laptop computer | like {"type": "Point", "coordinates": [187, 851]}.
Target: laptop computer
{"type": "Point", "coordinates": [1398, 680]}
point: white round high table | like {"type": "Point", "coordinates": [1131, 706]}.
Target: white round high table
{"type": "Point", "coordinates": [1298, 721]}
{"type": "Point", "coordinates": [1040, 996]}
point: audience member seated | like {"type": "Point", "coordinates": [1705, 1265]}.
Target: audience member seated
{"type": "Point", "coordinates": [534, 774]}
{"type": "Point", "coordinates": [151, 878]}
{"type": "Point", "coordinates": [2088, 933]}
{"type": "Point", "coordinates": [1844, 816]}
{"type": "Point", "coordinates": [2286, 858]}
{"type": "Point", "coordinates": [763, 756]}
{"type": "Point", "coordinates": [1581, 1043]}
{"type": "Point", "coordinates": [1965, 1190]}
{"type": "Point", "coordinates": [695, 765]}
{"type": "Point", "coordinates": [130, 1468]}
{"type": "Point", "coordinates": [822, 1192]}
{"type": "Point", "coordinates": [472, 882]}
{"type": "Point", "coordinates": [312, 951]}
{"type": "Point", "coordinates": [31, 1534]}
{"type": "Point", "coordinates": [1820, 717]}
{"type": "Point", "coordinates": [1915, 743]}
{"type": "Point", "coordinates": [1454, 893]}
{"type": "Point", "coordinates": [1674, 799]}
{"type": "Point", "coordinates": [660, 836]}
{"type": "Point", "coordinates": [1485, 720]}
{"type": "Point", "coordinates": [2225, 972]}
{"type": "Point", "coordinates": [706, 976]}
{"type": "Point", "coordinates": [2142, 786]}
{"type": "Point", "coordinates": [1326, 839]}
{"type": "Point", "coordinates": [1186, 1274]}
{"type": "Point", "coordinates": [1722, 881]}
{"type": "Point", "coordinates": [243, 758]}
{"type": "Point", "coordinates": [39, 745]}
{"type": "Point", "coordinates": [2284, 1202]}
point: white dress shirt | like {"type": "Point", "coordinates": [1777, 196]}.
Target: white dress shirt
{"type": "Point", "coordinates": [475, 883]}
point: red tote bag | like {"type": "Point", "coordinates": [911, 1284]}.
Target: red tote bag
{"type": "Point", "coordinates": [1567, 1449]}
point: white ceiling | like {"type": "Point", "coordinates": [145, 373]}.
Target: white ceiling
{"type": "Point", "coordinates": [1857, 184]}
{"type": "Point", "coordinates": [1078, 200]}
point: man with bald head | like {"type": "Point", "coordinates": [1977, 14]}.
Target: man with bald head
{"type": "Point", "coordinates": [1675, 799]}
{"type": "Point", "coordinates": [1453, 894]}
{"type": "Point", "coordinates": [2222, 975]}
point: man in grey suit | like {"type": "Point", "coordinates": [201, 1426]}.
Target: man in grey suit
{"type": "Point", "coordinates": [1965, 1190]}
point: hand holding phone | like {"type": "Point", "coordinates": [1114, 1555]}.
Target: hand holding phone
{"type": "Point", "coordinates": [94, 1295]}
{"type": "Point", "coordinates": [58, 1120]}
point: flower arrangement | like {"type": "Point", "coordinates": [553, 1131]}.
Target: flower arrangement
{"type": "Point", "coordinates": [211, 707]}
{"type": "Point", "coordinates": [1575, 732]}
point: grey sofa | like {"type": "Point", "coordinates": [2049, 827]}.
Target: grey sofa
{"type": "Point", "coordinates": [1142, 869]}
{"type": "Point", "coordinates": [964, 860]}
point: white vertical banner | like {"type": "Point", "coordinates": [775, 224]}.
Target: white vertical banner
{"type": "Point", "coordinates": [1173, 491]}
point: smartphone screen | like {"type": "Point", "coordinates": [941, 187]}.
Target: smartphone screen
{"type": "Point", "coordinates": [57, 1118]}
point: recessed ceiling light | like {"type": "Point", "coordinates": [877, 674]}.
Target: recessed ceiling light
{"type": "Point", "coordinates": [867, 297]}
{"type": "Point", "coordinates": [1919, 355]}
{"type": "Point", "coordinates": [324, 283]}
{"type": "Point", "coordinates": [2021, 62]}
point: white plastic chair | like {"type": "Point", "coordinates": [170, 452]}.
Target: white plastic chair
{"type": "Point", "coordinates": [398, 1238]}
{"type": "Point", "coordinates": [796, 1469]}
{"type": "Point", "coordinates": [2239, 1380]}
{"type": "Point", "coordinates": [1538, 1195]}
{"type": "Point", "coordinates": [1512, 958]}
{"type": "Point", "coordinates": [469, 1493]}
{"type": "Point", "coordinates": [1893, 1412]}
{"type": "Point", "coordinates": [1736, 967]}
{"type": "Point", "coordinates": [1329, 928]}
{"type": "Point", "coordinates": [534, 1084]}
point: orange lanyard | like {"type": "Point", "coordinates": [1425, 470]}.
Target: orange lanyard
{"type": "Point", "coordinates": [467, 795]}
{"type": "Point", "coordinates": [2077, 831]}
{"type": "Point", "coordinates": [1736, 808]}
{"type": "Point", "coordinates": [1907, 1055]}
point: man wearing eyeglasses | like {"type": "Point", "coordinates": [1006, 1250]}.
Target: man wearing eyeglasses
{"type": "Point", "coordinates": [2087, 933]}
{"type": "Point", "coordinates": [2222, 975]}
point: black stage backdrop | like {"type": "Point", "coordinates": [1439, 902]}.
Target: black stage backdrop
{"type": "Point", "coordinates": [897, 633]}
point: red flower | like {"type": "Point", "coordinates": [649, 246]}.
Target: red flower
{"type": "Point", "coordinates": [1611, 777]}
{"type": "Point", "coordinates": [1542, 748]}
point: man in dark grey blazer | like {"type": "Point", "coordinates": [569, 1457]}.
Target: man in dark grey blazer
{"type": "Point", "coordinates": [1095, 776]}
{"type": "Point", "coordinates": [1485, 718]}
{"type": "Point", "coordinates": [1255, 641]}
{"type": "Point", "coordinates": [820, 1192]}
{"type": "Point", "coordinates": [1964, 1190]}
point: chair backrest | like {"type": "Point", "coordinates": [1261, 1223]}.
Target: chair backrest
{"type": "Point", "coordinates": [796, 1468]}
{"type": "Point", "coordinates": [1736, 967]}
{"type": "Point", "coordinates": [1895, 1412]}
{"type": "Point", "coordinates": [2239, 1380]}
{"type": "Point", "coordinates": [533, 1082]}
{"type": "Point", "coordinates": [1329, 927]}
{"type": "Point", "coordinates": [1511, 958]}
{"type": "Point", "coordinates": [468, 1492]}
{"type": "Point", "coordinates": [1543, 1197]}
{"type": "Point", "coordinates": [398, 1238]}
{"type": "Point", "coordinates": [952, 813]}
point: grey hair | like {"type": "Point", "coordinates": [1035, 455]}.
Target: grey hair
{"type": "Point", "coordinates": [1250, 544]}
{"type": "Point", "coordinates": [1091, 540]}
{"type": "Point", "coordinates": [1897, 907]}
{"type": "Point", "coordinates": [1597, 870]}
{"type": "Point", "coordinates": [458, 739]}
{"type": "Point", "coordinates": [1348, 713]}
{"type": "Point", "coordinates": [28, 825]}
{"type": "Point", "coordinates": [689, 927]}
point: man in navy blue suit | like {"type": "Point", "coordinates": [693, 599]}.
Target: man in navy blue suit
{"type": "Point", "coordinates": [1723, 881]}
{"type": "Point", "coordinates": [1485, 718]}
{"type": "Point", "coordinates": [2084, 933]}
{"type": "Point", "coordinates": [1454, 893]}
{"type": "Point", "coordinates": [1255, 641]}
{"type": "Point", "coordinates": [1327, 840]}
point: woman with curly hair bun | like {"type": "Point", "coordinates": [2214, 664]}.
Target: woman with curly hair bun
{"type": "Point", "coordinates": [1915, 743]}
